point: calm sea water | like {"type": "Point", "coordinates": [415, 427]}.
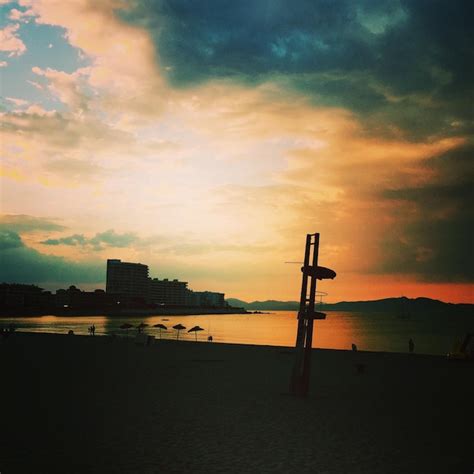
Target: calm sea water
{"type": "Point", "coordinates": [432, 333]}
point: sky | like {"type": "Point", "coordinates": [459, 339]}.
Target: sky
{"type": "Point", "coordinates": [206, 139]}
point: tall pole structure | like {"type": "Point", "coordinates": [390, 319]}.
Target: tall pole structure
{"type": "Point", "coordinates": [299, 384]}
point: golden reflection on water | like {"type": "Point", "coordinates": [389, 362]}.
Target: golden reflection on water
{"type": "Point", "coordinates": [340, 333]}
{"type": "Point", "coordinates": [277, 328]}
{"type": "Point", "coordinates": [433, 334]}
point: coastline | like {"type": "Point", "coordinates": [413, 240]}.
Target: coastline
{"type": "Point", "coordinates": [82, 404]}
{"type": "Point", "coordinates": [176, 311]}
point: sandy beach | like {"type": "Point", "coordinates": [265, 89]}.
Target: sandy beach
{"type": "Point", "coordinates": [74, 404]}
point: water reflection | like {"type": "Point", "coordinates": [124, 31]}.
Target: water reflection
{"type": "Point", "coordinates": [432, 334]}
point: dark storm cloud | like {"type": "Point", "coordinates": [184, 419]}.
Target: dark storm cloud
{"type": "Point", "coordinates": [108, 238]}
{"type": "Point", "coordinates": [21, 264]}
{"type": "Point", "coordinates": [9, 240]}
{"type": "Point", "coordinates": [23, 223]}
{"type": "Point", "coordinates": [435, 232]}
{"type": "Point", "coordinates": [202, 40]}
{"type": "Point", "coordinates": [409, 63]}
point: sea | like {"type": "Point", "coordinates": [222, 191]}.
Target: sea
{"type": "Point", "coordinates": [435, 333]}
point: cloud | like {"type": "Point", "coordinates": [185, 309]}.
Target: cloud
{"type": "Point", "coordinates": [3, 64]}
{"type": "Point", "coordinates": [333, 177]}
{"type": "Point", "coordinates": [10, 42]}
{"type": "Point", "coordinates": [19, 15]}
{"type": "Point", "coordinates": [113, 239]}
{"type": "Point", "coordinates": [68, 88]}
{"type": "Point", "coordinates": [36, 85]}
{"type": "Point", "coordinates": [100, 241]}
{"type": "Point", "coordinates": [163, 245]}
{"type": "Point", "coordinates": [9, 240]}
{"type": "Point", "coordinates": [24, 224]}
{"type": "Point", "coordinates": [433, 237]}
{"type": "Point", "coordinates": [75, 170]}
{"type": "Point", "coordinates": [123, 68]}
{"type": "Point", "coordinates": [17, 102]}
{"type": "Point", "coordinates": [401, 62]}
{"type": "Point", "coordinates": [21, 264]}
{"type": "Point", "coordinates": [193, 248]}
{"type": "Point", "coordinates": [69, 149]}
{"type": "Point", "coordinates": [76, 239]}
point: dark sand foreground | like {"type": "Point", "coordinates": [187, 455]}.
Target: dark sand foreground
{"type": "Point", "coordinates": [94, 405]}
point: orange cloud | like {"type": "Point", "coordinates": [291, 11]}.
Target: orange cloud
{"type": "Point", "coordinates": [124, 69]}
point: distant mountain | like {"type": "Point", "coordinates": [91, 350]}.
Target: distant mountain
{"type": "Point", "coordinates": [401, 305]}
{"type": "Point", "coordinates": [265, 305]}
{"type": "Point", "coordinates": [398, 305]}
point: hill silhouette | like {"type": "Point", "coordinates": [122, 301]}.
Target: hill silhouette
{"type": "Point", "coordinates": [400, 305]}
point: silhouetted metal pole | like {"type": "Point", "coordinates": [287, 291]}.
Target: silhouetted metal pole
{"type": "Point", "coordinates": [304, 290]}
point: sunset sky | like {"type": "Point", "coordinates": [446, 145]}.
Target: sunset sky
{"type": "Point", "coordinates": [206, 138]}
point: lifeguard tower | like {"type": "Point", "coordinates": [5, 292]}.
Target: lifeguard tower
{"type": "Point", "coordinates": [299, 383]}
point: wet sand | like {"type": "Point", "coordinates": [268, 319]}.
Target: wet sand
{"type": "Point", "coordinates": [73, 404]}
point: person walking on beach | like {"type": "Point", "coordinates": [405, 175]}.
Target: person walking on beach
{"type": "Point", "coordinates": [411, 346]}
{"type": "Point", "coordinates": [93, 330]}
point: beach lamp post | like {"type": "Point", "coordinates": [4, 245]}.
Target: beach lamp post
{"type": "Point", "coordinates": [299, 383]}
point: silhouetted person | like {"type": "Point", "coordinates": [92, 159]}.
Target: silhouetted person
{"type": "Point", "coordinates": [354, 347]}
{"type": "Point", "coordinates": [411, 346]}
{"type": "Point", "coordinates": [209, 338]}
{"type": "Point", "coordinates": [93, 330]}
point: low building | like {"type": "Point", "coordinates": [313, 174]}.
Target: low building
{"type": "Point", "coordinates": [169, 292]}
{"type": "Point", "coordinates": [74, 298]}
{"type": "Point", "coordinates": [207, 299]}
{"type": "Point", "coordinates": [17, 295]}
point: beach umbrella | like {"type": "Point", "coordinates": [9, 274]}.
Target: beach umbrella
{"type": "Point", "coordinates": [126, 326]}
{"type": "Point", "coordinates": [160, 326]}
{"type": "Point", "coordinates": [178, 328]}
{"type": "Point", "coordinates": [195, 330]}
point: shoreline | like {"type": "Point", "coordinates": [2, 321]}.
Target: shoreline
{"type": "Point", "coordinates": [126, 313]}
{"type": "Point", "coordinates": [130, 339]}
